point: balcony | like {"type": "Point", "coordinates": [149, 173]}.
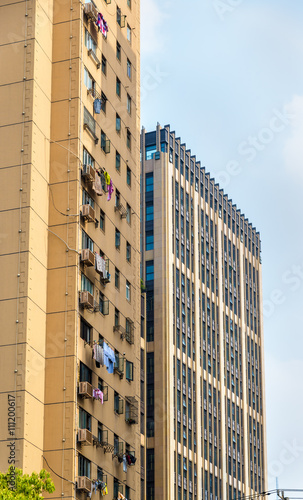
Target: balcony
{"type": "Point", "coordinates": [119, 329]}
{"type": "Point", "coordinates": [90, 125]}
{"type": "Point", "coordinates": [122, 210]}
{"type": "Point", "coordinates": [102, 440]}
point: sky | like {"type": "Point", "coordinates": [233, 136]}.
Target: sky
{"type": "Point", "coordinates": [227, 75]}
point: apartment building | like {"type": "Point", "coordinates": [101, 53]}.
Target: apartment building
{"type": "Point", "coordinates": [205, 406]}
{"type": "Point", "coordinates": [70, 301]}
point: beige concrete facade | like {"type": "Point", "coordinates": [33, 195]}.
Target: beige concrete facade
{"type": "Point", "coordinates": [55, 64]}
{"type": "Point", "coordinates": [206, 426]}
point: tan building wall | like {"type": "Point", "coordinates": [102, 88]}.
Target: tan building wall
{"type": "Point", "coordinates": [45, 55]}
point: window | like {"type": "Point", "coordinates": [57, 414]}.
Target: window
{"type": "Point", "coordinates": [149, 211]}
{"type": "Point", "coordinates": [117, 239]}
{"type": "Point", "coordinates": [90, 43]}
{"type": "Point", "coordinates": [117, 198]}
{"type": "Point", "coordinates": [118, 51]}
{"type": "Point", "coordinates": [117, 278]}
{"type": "Point", "coordinates": [103, 140]}
{"type": "Point", "coordinates": [117, 317]}
{"type": "Point", "coordinates": [102, 220]}
{"type": "Point", "coordinates": [149, 240]}
{"type": "Point", "coordinates": [87, 242]}
{"type": "Point", "coordinates": [118, 161]}
{"type": "Point", "coordinates": [129, 33]}
{"type": "Point", "coordinates": [149, 182]}
{"type": "Point", "coordinates": [129, 370]}
{"type": "Point", "coordinates": [128, 213]}
{"type": "Point", "coordinates": [128, 251]}
{"type": "Point", "coordinates": [85, 331]}
{"type": "Point", "coordinates": [87, 158]}
{"type": "Point", "coordinates": [128, 176]}
{"type": "Point", "coordinates": [103, 304]}
{"type": "Point", "coordinates": [118, 123]}
{"type": "Point", "coordinates": [119, 15]}
{"type": "Point", "coordinates": [129, 69]}
{"type": "Point", "coordinates": [128, 290]}
{"type": "Point", "coordinates": [149, 270]}
{"type": "Point", "coordinates": [104, 65]}
{"type": "Point", "coordinates": [118, 87]}
{"type": "Point", "coordinates": [103, 102]}
{"type": "Point", "coordinates": [128, 139]}
{"type": "Point", "coordinates": [85, 420]}
{"type": "Point", "coordinates": [129, 104]}
{"type": "Point", "coordinates": [87, 199]}
{"type": "Point", "coordinates": [89, 82]}
{"type": "Point", "coordinates": [83, 466]}
{"type": "Point", "coordinates": [149, 151]}
{"type": "Point", "coordinates": [129, 4]}
{"type": "Point", "coordinates": [85, 373]}
{"type": "Point", "coordinates": [86, 284]}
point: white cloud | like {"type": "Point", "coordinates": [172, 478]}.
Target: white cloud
{"type": "Point", "coordinates": [152, 19]}
{"type": "Point", "coordinates": [293, 149]}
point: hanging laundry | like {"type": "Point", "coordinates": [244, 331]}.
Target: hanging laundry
{"type": "Point", "coordinates": [98, 394]}
{"type": "Point", "coordinates": [128, 458]}
{"type": "Point", "coordinates": [109, 358]}
{"type": "Point", "coordinates": [97, 106]}
{"type": "Point", "coordinates": [98, 354]}
{"type": "Point", "coordinates": [104, 490]}
{"type": "Point", "coordinates": [120, 496]}
{"type": "Point", "coordinates": [107, 178]}
{"type": "Point", "coordinates": [110, 190]}
{"type": "Point", "coordinates": [100, 264]}
{"type": "Point", "coordinates": [102, 25]}
{"type": "Point", "coordinates": [97, 186]}
{"type": "Point", "coordinates": [124, 464]}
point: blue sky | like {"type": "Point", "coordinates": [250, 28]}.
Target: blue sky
{"type": "Point", "coordinates": [227, 75]}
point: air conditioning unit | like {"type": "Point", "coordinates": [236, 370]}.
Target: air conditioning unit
{"type": "Point", "coordinates": [87, 257]}
{"type": "Point", "coordinates": [88, 213]}
{"type": "Point", "coordinates": [86, 299]}
{"type": "Point", "coordinates": [85, 390]}
{"type": "Point", "coordinates": [88, 172]}
{"type": "Point", "coordinates": [91, 11]}
{"type": "Point", "coordinates": [85, 436]}
{"type": "Point", "coordinates": [84, 484]}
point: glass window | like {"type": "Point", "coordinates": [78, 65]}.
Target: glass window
{"type": "Point", "coordinates": [118, 87]}
{"type": "Point", "coordinates": [129, 33]}
{"type": "Point", "coordinates": [83, 466]}
{"type": "Point", "coordinates": [85, 420]}
{"type": "Point", "coordinates": [128, 251]}
{"type": "Point", "coordinates": [103, 102]}
{"type": "Point", "coordinates": [102, 220]}
{"type": "Point", "coordinates": [118, 123]}
{"type": "Point", "coordinates": [149, 182]}
{"type": "Point", "coordinates": [149, 211]}
{"type": "Point", "coordinates": [129, 69]}
{"type": "Point", "coordinates": [87, 158]}
{"type": "Point", "coordinates": [129, 3]}
{"type": "Point", "coordinates": [87, 199]}
{"type": "Point", "coordinates": [118, 161]}
{"type": "Point", "coordinates": [128, 290]}
{"type": "Point", "coordinates": [85, 331]}
{"type": "Point", "coordinates": [149, 266]}
{"type": "Point", "coordinates": [129, 370]}
{"type": "Point", "coordinates": [104, 65]}
{"type": "Point", "coordinates": [149, 151]}
{"type": "Point", "coordinates": [86, 284]}
{"type": "Point", "coordinates": [128, 139]}
{"type": "Point", "coordinates": [118, 51]}
{"type": "Point", "coordinates": [117, 278]}
{"type": "Point", "coordinates": [117, 238]}
{"type": "Point", "coordinates": [149, 240]}
{"type": "Point", "coordinates": [87, 242]}
{"type": "Point", "coordinates": [128, 213]}
{"type": "Point", "coordinates": [89, 82]}
{"type": "Point", "coordinates": [129, 104]}
{"type": "Point", "coordinates": [128, 176]}
{"type": "Point", "coordinates": [90, 43]}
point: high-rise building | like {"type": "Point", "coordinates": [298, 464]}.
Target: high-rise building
{"type": "Point", "coordinates": [70, 244]}
{"type": "Point", "coordinates": [205, 411]}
